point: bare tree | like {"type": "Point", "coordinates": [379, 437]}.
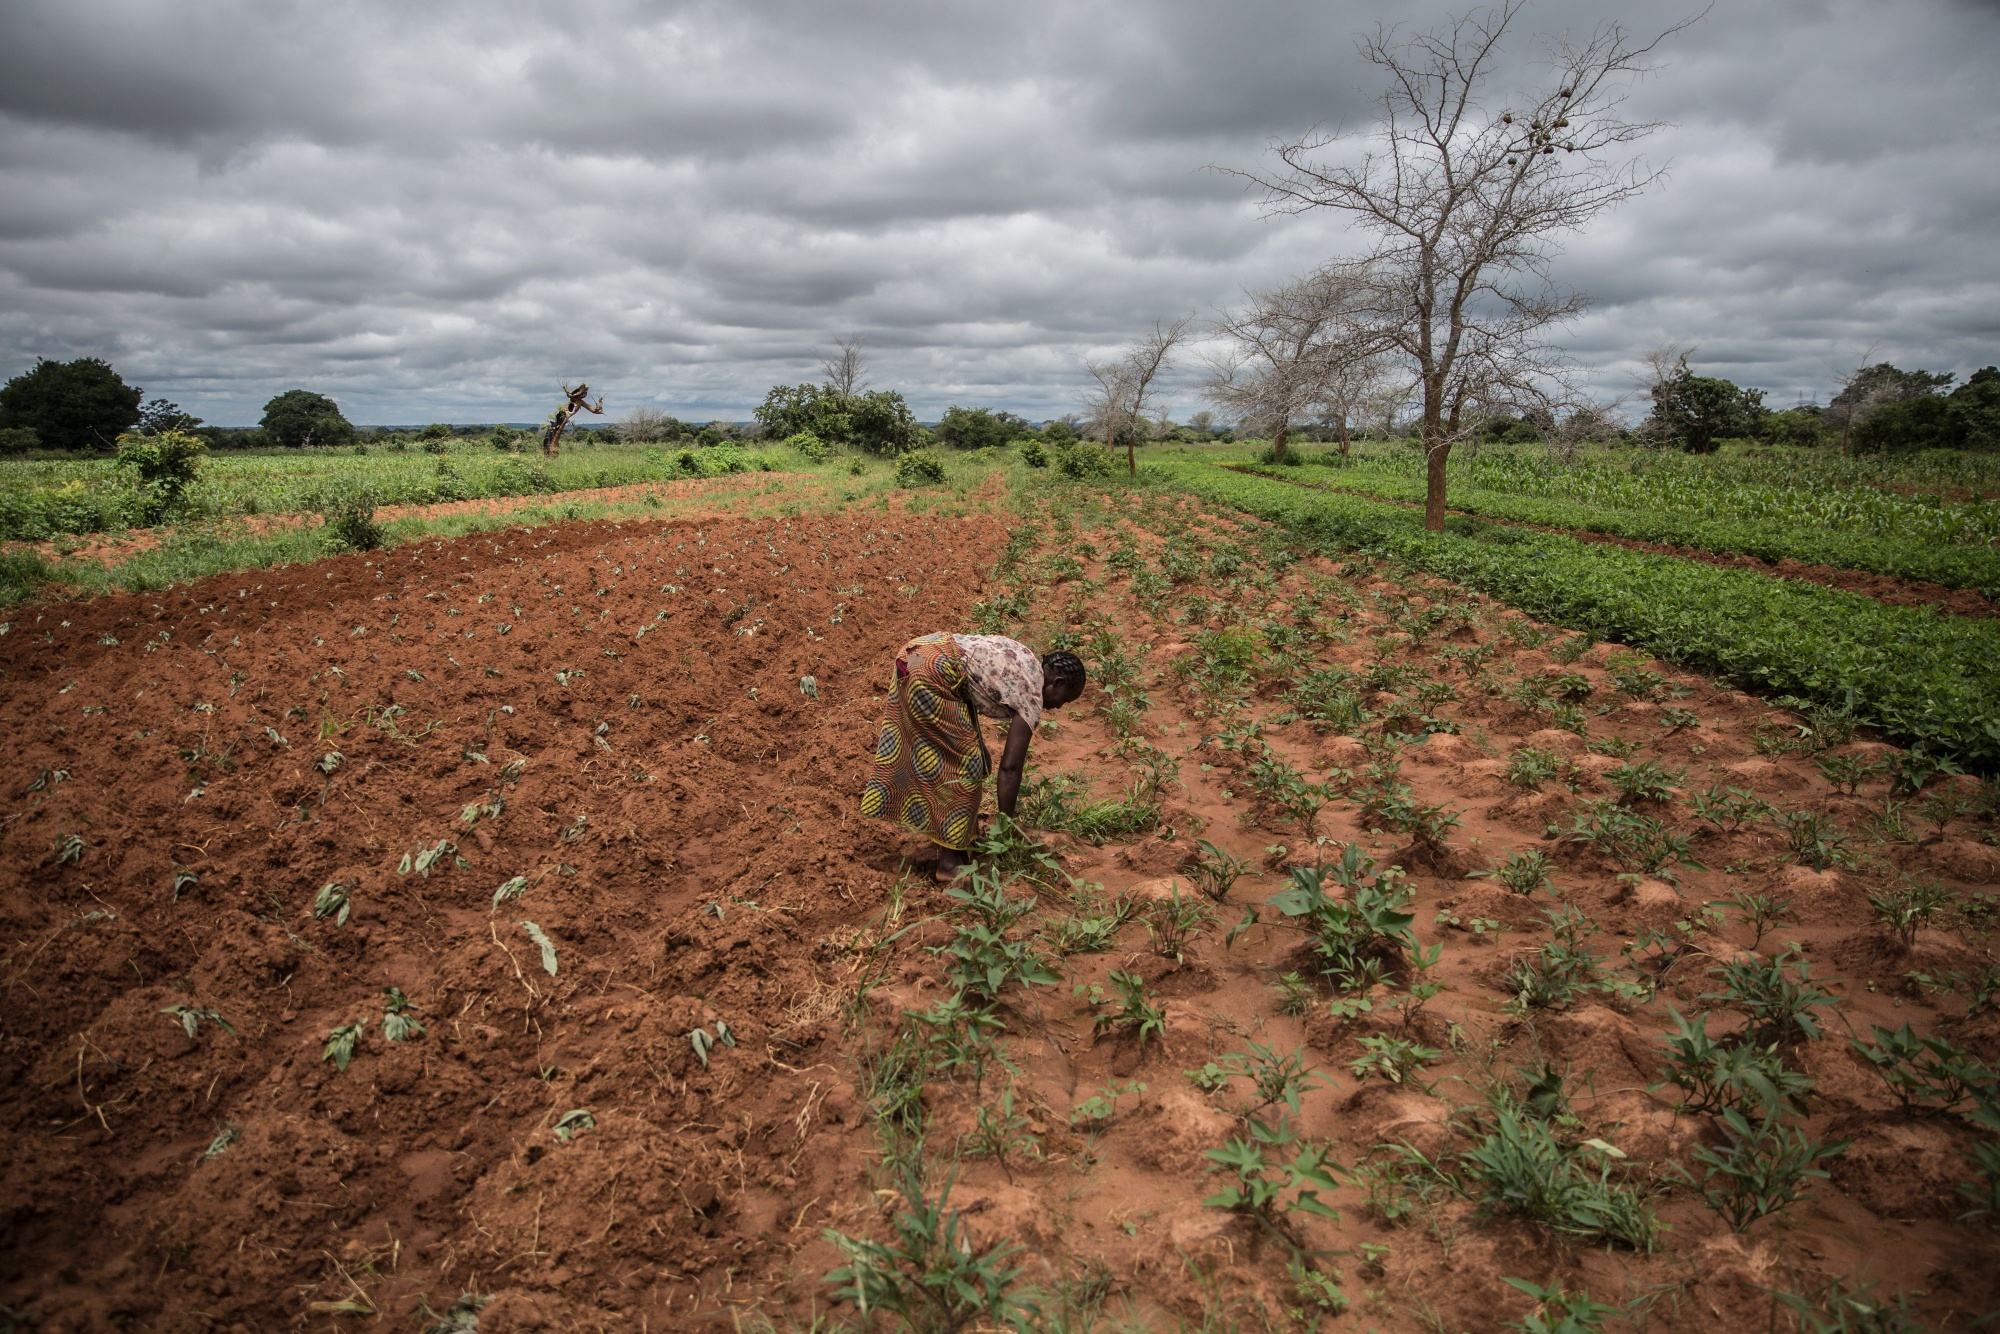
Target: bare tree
{"type": "Point", "coordinates": [1290, 350]}
{"type": "Point", "coordinates": [845, 368]}
{"type": "Point", "coordinates": [642, 425]}
{"type": "Point", "coordinates": [1466, 203]}
{"type": "Point", "coordinates": [1117, 401]}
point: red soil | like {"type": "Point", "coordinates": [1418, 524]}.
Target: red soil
{"type": "Point", "coordinates": [684, 817]}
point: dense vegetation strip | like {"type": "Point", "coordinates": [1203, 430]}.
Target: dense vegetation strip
{"type": "Point", "coordinates": [1955, 566]}
{"type": "Point", "coordinates": [45, 498]}
{"type": "Point", "coordinates": [1925, 678]}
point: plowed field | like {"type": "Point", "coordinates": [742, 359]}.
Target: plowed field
{"type": "Point", "coordinates": [585, 798]}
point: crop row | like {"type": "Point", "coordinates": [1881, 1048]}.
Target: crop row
{"type": "Point", "coordinates": [1929, 679]}
{"type": "Point", "coordinates": [1934, 558]}
{"type": "Point", "coordinates": [1907, 499]}
{"type": "Point", "coordinates": [39, 500]}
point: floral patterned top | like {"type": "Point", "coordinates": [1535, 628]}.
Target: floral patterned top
{"type": "Point", "coordinates": [1006, 677]}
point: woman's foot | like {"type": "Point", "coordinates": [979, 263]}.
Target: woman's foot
{"type": "Point", "coordinates": [949, 863]}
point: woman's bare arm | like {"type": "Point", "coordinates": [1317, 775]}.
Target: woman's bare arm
{"type": "Point", "coordinates": [1008, 786]}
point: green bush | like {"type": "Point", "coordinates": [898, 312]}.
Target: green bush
{"type": "Point", "coordinates": [919, 467]}
{"type": "Point", "coordinates": [1034, 453]}
{"type": "Point", "coordinates": [815, 449]}
{"type": "Point", "coordinates": [1086, 461]}
{"type": "Point", "coordinates": [349, 516]}
{"type": "Point", "coordinates": [166, 464]}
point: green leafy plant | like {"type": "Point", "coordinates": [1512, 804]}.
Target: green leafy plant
{"type": "Point", "coordinates": [1846, 773]}
{"type": "Point", "coordinates": [1099, 1108]}
{"type": "Point", "coordinates": [1001, 1133]}
{"type": "Point", "coordinates": [1530, 768]}
{"type": "Point", "coordinates": [1715, 1076]}
{"type": "Point", "coordinates": [192, 1016]}
{"type": "Point", "coordinates": [1645, 781]}
{"type": "Point", "coordinates": [333, 900]}
{"type": "Point", "coordinates": [1815, 839]}
{"type": "Point", "coordinates": [1396, 1059]}
{"type": "Point", "coordinates": [1926, 1070]}
{"type": "Point", "coordinates": [1562, 967]}
{"type": "Point", "coordinates": [960, 1035]}
{"type": "Point", "coordinates": [573, 1123]}
{"type": "Point", "coordinates": [1763, 1168]}
{"type": "Point", "coordinates": [340, 1043]}
{"type": "Point", "coordinates": [1216, 871]}
{"type": "Point", "coordinates": [1295, 993]}
{"type": "Point", "coordinates": [1759, 912]}
{"type": "Point", "coordinates": [1134, 1009]}
{"type": "Point", "coordinates": [1522, 872]}
{"type": "Point", "coordinates": [399, 1016]}
{"type": "Point", "coordinates": [1729, 808]}
{"type": "Point", "coordinates": [1777, 996]}
{"type": "Point", "coordinates": [1355, 935]}
{"type": "Point", "coordinates": [1557, 1309]}
{"type": "Point", "coordinates": [1521, 1168]}
{"type": "Point", "coordinates": [543, 943]}
{"type": "Point", "coordinates": [1268, 1185]}
{"type": "Point", "coordinates": [1176, 922]}
{"type": "Point", "coordinates": [1910, 905]}
{"type": "Point", "coordinates": [703, 1044]}
{"type": "Point", "coordinates": [1632, 840]}
{"type": "Point", "coordinates": [928, 1273]}
{"type": "Point", "coordinates": [1844, 1307]}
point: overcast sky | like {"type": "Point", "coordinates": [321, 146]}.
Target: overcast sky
{"type": "Point", "coordinates": [436, 210]}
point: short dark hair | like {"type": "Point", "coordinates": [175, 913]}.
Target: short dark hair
{"type": "Point", "coordinates": [1063, 669]}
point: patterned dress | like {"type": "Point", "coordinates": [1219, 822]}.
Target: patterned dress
{"type": "Point", "coordinates": [930, 760]}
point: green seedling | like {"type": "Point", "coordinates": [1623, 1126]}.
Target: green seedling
{"type": "Point", "coordinates": [424, 859]}
{"type": "Point", "coordinates": [1983, 1190]}
{"type": "Point", "coordinates": [1355, 934]}
{"type": "Point", "coordinates": [1926, 1071]}
{"type": "Point", "coordinates": [1910, 905]}
{"type": "Point", "coordinates": [1645, 781]}
{"type": "Point", "coordinates": [1097, 1110]}
{"type": "Point", "coordinates": [703, 1044]}
{"type": "Point", "coordinates": [1562, 967]}
{"type": "Point", "coordinates": [1677, 719]}
{"type": "Point", "coordinates": [333, 900]}
{"type": "Point", "coordinates": [1295, 993]}
{"type": "Point", "coordinates": [191, 1017]}
{"type": "Point", "coordinates": [1000, 1133]}
{"type": "Point", "coordinates": [929, 1274]}
{"type": "Point", "coordinates": [1759, 912]}
{"type": "Point", "coordinates": [1632, 840]}
{"type": "Point", "coordinates": [1521, 1168]}
{"type": "Point", "coordinates": [1521, 872]}
{"type": "Point", "coordinates": [228, 1135]}
{"type": "Point", "coordinates": [1716, 1076]}
{"type": "Point", "coordinates": [573, 1123]}
{"type": "Point", "coordinates": [1135, 1011]}
{"type": "Point", "coordinates": [1763, 1169]}
{"type": "Point", "coordinates": [1215, 871]}
{"type": "Point", "coordinates": [399, 1016]}
{"type": "Point", "coordinates": [340, 1043]}
{"type": "Point", "coordinates": [1778, 1003]}
{"type": "Point", "coordinates": [542, 941]}
{"type": "Point", "coordinates": [1396, 1059]}
{"type": "Point", "coordinates": [328, 762]}
{"type": "Point", "coordinates": [1557, 1309]}
{"type": "Point", "coordinates": [1175, 922]}
{"type": "Point", "coordinates": [69, 849]}
{"type": "Point", "coordinates": [461, 1317]}
{"type": "Point", "coordinates": [1268, 1188]}
{"type": "Point", "coordinates": [510, 890]}
{"type": "Point", "coordinates": [1729, 808]}
{"type": "Point", "coordinates": [1846, 773]}
{"type": "Point", "coordinates": [183, 879]}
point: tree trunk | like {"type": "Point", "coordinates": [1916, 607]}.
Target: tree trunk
{"type": "Point", "coordinates": [1278, 441]}
{"type": "Point", "coordinates": [1437, 451]}
{"type": "Point", "coordinates": [1343, 435]}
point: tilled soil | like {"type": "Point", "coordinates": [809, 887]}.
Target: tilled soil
{"type": "Point", "coordinates": [628, 698]}
{"type": "Point", "coordinates": [642, 749]}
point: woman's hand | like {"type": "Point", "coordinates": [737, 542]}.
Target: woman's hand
{"type": "Point", "coordinates": [1008, 786]}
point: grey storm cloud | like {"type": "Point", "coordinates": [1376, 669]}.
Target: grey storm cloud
{"type": "Point", "coordinates": [441, 210]}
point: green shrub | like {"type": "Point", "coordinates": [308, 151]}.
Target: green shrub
{"type": "Point", "coordinates": [1034, 453]}
{"type": "Point", "coordinates": [349, 516]}
{"type": "Point", "coordinates": [919, 467]}
{"type": "Point", "coordinates": [815, 449]}
{"type": "Point", "coordinates": [166, 465]}
{"type": "Point", "coordinates": [1086, 461]}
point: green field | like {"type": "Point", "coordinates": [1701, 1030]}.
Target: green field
{"type": "Point", "coordinates": [41, 499]}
